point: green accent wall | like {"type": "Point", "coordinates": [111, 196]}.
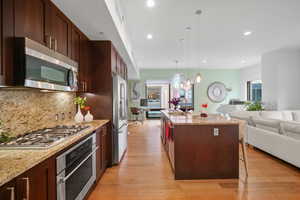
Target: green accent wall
{"type": "Point", "coordinates": [231, 78]}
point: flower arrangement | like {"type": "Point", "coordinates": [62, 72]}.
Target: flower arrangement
{"type": "Point", "coordinates": [80, 101]}
{"type": "Point", "coordinates": [175, 101]}
{"type": "Point", "coordinates": [204, 110]}
{"type": "Point", "coordinates": [87, 108]}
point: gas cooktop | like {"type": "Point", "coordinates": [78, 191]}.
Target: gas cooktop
{"type": "Point", "coordinates": [43, 138]}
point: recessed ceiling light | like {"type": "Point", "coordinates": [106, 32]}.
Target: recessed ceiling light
{"type": "Point", "coordinates": [247, 33]}
{"type": "Point", "coordinates": [243, 61]}
{"type": "Point", "coordinates": [150, 3]}
{"type": "Point", "coordinates": [149, 36]}
{"type": "Point", "coordinates": [204, 61]}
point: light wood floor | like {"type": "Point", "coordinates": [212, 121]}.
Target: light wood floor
{"type": "Point", "coordinates": [145, 174]}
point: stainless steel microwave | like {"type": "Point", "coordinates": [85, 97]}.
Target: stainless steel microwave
{"type": "Point", "coordinates": [37, 66]}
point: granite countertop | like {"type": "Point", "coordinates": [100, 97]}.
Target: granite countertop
{"type": "Point", "coordinates": [195, 119]}
{"type": "Point", "coordinates": [15, 162]}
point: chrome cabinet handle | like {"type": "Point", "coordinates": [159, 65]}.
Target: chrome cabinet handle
{"type": "Point", "coordinates": [12, 192]}
{"type": "Point", "coordinates": [27, 188]}
{"type": "Point", "coordinates": [50, 41]}
{"type": "Point", "coordinates": [55, 44]}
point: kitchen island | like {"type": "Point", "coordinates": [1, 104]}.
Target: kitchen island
{"type": "Point", "coordinates": [201, 148]}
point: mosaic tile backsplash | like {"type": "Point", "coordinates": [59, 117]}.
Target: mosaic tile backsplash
{"type": "Point", "coordinates": [22, 111]}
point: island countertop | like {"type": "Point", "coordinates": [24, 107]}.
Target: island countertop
{"type": "Point", "coordinates": [15, 162]}
{"type": "Point", "coordinates": [195, 119]}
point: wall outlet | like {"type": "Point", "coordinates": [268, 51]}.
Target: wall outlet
{"type": "Point", "coordinates": [216, 132]}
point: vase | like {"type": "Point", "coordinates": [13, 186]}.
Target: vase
{"type": "Point", "coordinates": [79, 116]}
{"type": "Point", "coordinates": [88, 117]}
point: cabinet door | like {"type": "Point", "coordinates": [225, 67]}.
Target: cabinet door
{"type": "Point", "coordinates": [31, 20]}
{"type": "Point", "coordinates": [38, 183]}
{"type": "Point", "coordinates": [113, 60]}
{"type": "Point", "coordinates": [60, 31]}
{"type": "Point", "coordinates": [104, 148]}
{"type": "Point", "coordinates": [85, 78]}
{"type": "Point", "coordinates": [118, 64]}
{"type": "Point", "coordinates": [98, 154]}
{"type": "Point", "coordinates": [75, 44]}
{"type": "Point", "coordinates": [8, 191]}
{"type": "Point", "coordinates": [1, 47]}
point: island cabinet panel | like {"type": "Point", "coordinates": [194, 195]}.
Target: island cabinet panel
{"type": "Point", "coordinates": [38, 183]}
{"type": "Point", "coordinates": [199, 154]}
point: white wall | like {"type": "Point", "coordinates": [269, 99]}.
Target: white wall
{"type": "Point", "coordinates": [281, 78]}
{"type": "Point", "coordinates": [250, 73]}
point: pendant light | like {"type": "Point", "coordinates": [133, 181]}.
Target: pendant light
{"type": "Point", "coordinates": [198, 78]}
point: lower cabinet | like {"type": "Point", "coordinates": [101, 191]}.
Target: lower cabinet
{"type": "Point", "coordinates": [101, 160]}
{"type": "Point", "coordinates": [8, 191]}
{"type": "Point", "coordinates": [38, 183]}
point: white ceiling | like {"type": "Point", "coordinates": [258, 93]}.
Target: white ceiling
{"type": "Point", "coordinates": [216, 35]}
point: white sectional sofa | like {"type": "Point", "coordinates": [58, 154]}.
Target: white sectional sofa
{"type": "Point", "coordinates": [275, 132]}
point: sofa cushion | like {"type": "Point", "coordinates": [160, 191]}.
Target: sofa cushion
{"type": "Point", "coordinates": [291, 129]}
{"type": "Point", "coordinates": [287, 115]}
{"type": "Point", "coordinates": [296, 116]}
{"type": "Point", "coordinates": [245, 115]}
{"type": "Point", "coordinates": [272, 115]}
{"type": "Point", "coordinates": [267, 124]}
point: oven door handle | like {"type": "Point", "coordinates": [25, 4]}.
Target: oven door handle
{"type": "Point", "coordinates": [64, 179]}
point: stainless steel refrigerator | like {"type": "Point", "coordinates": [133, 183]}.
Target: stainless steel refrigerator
{"type": "Point", "coordinates": [120, 118]}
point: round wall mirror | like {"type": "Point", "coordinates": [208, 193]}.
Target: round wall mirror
{"type": "Point", "coordinates": [217, 92]}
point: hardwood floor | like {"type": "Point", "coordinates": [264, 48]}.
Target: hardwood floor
{"type": "Point", "coordinates": [145, 174]}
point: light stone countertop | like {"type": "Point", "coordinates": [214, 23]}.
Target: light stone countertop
{"type": "Point", "coordinates": [195, 119]}
{"type": "Point", "coordinates": [15, 162]}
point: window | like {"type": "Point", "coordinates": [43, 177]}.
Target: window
{"type": "Point", "coordinates": [254, 90]}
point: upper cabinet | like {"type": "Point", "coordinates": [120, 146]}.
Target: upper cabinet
{"type": "Point", "coordinates": [60, 29]}
{"type": "Point", "coordinates": [42, 21]}
{"type": "Point", "coordinates": [75, 44]}
{"type": "Point", "coordinates": [32, 20]}
{"type": "Point", "coordinates": [1, 38]}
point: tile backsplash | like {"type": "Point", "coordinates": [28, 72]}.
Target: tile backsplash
{"type": "Point", "coordinates": [22, 111]}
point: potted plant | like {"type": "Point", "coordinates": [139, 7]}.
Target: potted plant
{"type": "Point", "coordinates": [254, 106]}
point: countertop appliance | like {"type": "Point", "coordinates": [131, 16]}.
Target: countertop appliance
{"type": "Point", "coordinates": [43, 138]}
{"type": "Point", "coordinates": [37, 66]}
{"type": "Point", "coordinates": [120, 118]}
{"type": "Point", "coordinates": [76, 170]}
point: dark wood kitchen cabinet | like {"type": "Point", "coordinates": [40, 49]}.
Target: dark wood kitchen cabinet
{"type": "Point", "coordinates": [85, 80]}
{"type": "Point", "coordinates": [101, 154]}
{"type": "Point", "coordinates": [7, 42]}
{"type": "Point", "coordinates": [1, 38]}
{"type": "Point", "coordinates": [60, 29]}
{"type": "Point", "coordinates": [8, 191]}
{"type": "Point", "coordinates": [35, 184]}
{"type": "Point", "coordinates": [75, 44]}
{"type": "Point", "coordinates": [33, 20]}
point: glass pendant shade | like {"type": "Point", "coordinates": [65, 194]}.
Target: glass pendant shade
{"type": "Point", "coordinates": [198, 78]}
